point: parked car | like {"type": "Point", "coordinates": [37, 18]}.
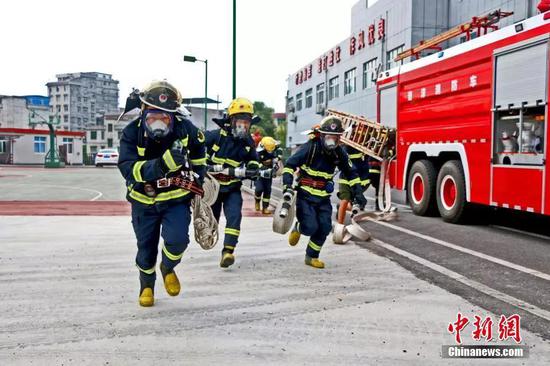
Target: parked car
{"type": "Point", "coordinates": [106, 157]}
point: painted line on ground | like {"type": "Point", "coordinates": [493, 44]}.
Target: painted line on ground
{"type": "Point", "coordinates": [96, 197]}
{"type": "Point", "coordinates": [535, 235]}
{"type": "Point", "coordinates": [525, 306]}
{"type": "Point", "coordinates": [487, 257]}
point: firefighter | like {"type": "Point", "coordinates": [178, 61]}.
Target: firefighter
{"type": "Point", "coordinates": [232, 157]}
{"type": "Point", "coordinates": [374, 177]}
{"type": "Point", "coordinates": [361, 165]}
{"type": "Point", "coordinates": [317, 160]}
{"type": "Point", "coordinates": [269, 155]}
{"type": "Point", "coordinates": [163, 159]}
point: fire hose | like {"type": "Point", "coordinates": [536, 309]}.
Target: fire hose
{"type": "Point", "coordinates": [344, 233]}
{"type": "Point", "coordinates": [285, 213]}
{"type": "Point", "coordinates": [204, 223]}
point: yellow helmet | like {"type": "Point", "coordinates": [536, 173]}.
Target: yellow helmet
{"type": "Point", "coordinates": [268, 143]}
{"type": "Point", "coordinates": [240, 105]}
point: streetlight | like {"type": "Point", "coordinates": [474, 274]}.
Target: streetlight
{"type": "Point", "coordinates": [194, 59]}
{"type": "Point", "coordinates": [234, 49]}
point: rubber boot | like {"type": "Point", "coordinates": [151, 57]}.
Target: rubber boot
{"type": "Point", "coordinates": [294, 236]}
{"type": "Point", "coordinates": [227, 259]}
{"type": "Point", "coordinates": [342, 211]}
{"type": "Point", "coordinates": [314, 262]}
{"type": "Point", "coordinates": [267, 211]}
{"type": "Point", "coordinates": [146, 293]}
{"type": "Point", "coordinates": [257, 205]}
{"type": "Point", "coordinates": [171, 281]}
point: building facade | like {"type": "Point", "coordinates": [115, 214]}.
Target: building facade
{"type": "Point", "coordinates": [81, 99]}
{"type": "Point", "coordinates": [19, 111]}
{"type": "Point", "coordinates": [30, 146]}
{"type": "Point", "coordinates": [344, 76]}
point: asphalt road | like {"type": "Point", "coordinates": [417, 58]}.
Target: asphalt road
{"type": "Point", "coordinates": [499, 259]}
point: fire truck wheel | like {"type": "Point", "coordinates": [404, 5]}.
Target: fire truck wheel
{"type": "Point", "coordinates": [451, 192]}
{"type": "Point", "coordinates": [421, 188]}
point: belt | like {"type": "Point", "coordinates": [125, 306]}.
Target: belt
{"type": "Point", "coordinates": [182, 183]}
{"type": "Point", "coordinates": [223, 177]}
{"type": "Point", "coordinates": [317, 184]}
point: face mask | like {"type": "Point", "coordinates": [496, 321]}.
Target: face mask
{"type": "Point", "coordinates": [330, 144]}
{"type": "Point", "coordinates": [158, 123]}
{"type": "Point", "coordinates": [240, 129]}
{"type": "Point", "coordinates": [158, 129]}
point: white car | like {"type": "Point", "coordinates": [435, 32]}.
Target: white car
{"type": "Point", "coordinates": [106, 157]}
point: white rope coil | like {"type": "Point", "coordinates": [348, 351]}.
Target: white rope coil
{"type": "Point", "coordinates": [204, 223]}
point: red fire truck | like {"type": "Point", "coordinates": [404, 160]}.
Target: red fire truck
{"type": "Point", "coordinates": [471, 122]}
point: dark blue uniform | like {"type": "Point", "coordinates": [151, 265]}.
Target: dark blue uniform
{"type": "Point", "coordinates": [313, 206]}
{"type": "Point", "coordinates": [263, 185]}
{"type": "Point", "coordinates": [141, 164]}
{"type": "Point", "coordinates": [361, 164]}
{"type": "Point", "coordinates": [224, 149]}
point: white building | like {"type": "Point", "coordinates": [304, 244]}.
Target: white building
{"type": "Point", "coordinates": [344, 76]}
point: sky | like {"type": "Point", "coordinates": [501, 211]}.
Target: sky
{"type": "Point", "coordinates": [139, 41]}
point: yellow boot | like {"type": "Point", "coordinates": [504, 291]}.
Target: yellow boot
{"type": "Point", "coordinates": [294, 236]}
{"type": "Point", "coordinates": [314, 262]}
{"type": "Point", "coordinates": [267, 211]}
{"type": "Point", "coordinates": [257, 205]}
{"type": "Point", "coordinates": [146, 297]}
{"type": "Point", "coordinates": [171, 281]}
{"type": "Point", "coordinates": [227, 260]}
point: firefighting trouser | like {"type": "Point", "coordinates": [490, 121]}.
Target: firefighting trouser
{"type": "Point", "coordinates": [314, 220]}
{"type": "Point", "coordinates": [263, 188]}
{"type": "Point", "coordinates": [232, 203]}
{"type": "Point", "coordinates": [169, 221]}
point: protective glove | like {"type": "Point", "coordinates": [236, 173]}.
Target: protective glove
{"type": "Point", "coordinates": [266, 173]}
{"type": "Point", "coordinates": [359, 197]}
{"type": "Point", "coordinates": [215, 168]}
{"type": "Point", "coordinates": [174, 159]}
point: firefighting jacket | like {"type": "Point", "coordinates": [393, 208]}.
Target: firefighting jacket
{"type": "Point", "coordinates": [267, 158]}
{"type": "Point", "coordinates": [141, 161]}
{"type": "Point", "coordinates": [223, 148]}
{"type": "Point", "coordinates": [360, 162]}
{"type": "Point", "coordinates": [316, 164]}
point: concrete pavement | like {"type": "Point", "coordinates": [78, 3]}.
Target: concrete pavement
{"type": "Point", "coordinates": [69, 296]}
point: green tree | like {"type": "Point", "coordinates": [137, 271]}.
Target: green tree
{"type": "Point", "coordinates": [280, 134]}
{"type": "Point", "coordinates": [266, 114]}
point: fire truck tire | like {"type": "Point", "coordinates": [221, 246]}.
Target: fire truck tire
{"type": "Point", "coordinates": [451, 192]}
{"type": "Point", "coordinates": [421, 188]}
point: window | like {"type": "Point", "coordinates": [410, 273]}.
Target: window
{"type": "Point", "coordinates": [85, 109]}
{"type": "Point", "coordinates": [69, 143]}
{"type": "Point", "coordinates": [93, 149]}
{"type": "Point", "coordinates": [320, 91]}
{"type": "Point", "coordinates": [39, 144]}
{"type": "Point", "coordinates": [93, 135]}
{"type": "Point", "coordinates": [309, 98]}
{"type": "Point", "coordinates": [391, 55]}
{"type": "Point", "coordinates": [57, 97]}
{"type": "Point", "coordinates": [3, 146]}
{"type": "Point", "coordinates": [299, 101]}
{"type": "Point", "coordinates": [290, 104]}
{"type": "Point", "coordinates": [65, 108]}
{"type": "Point", "coordinates": [85, 100]}
{"type": "Point", "coordinates": [65, 118]}
{"type": "Point", "coordinates": [349, 82]}
{"type": "Point", "coordinates": [109, 142]}
{"type": "Point", "coordinates": [58, 108]}
{"type": "Point", "coordinates": [369, 70]}
{"type": "Point", "coordinates": [119, 134]}
{"type": "Point", "coordinates": [110, 127]}
{"type": "Point", "coordinates": [103, 135]}
{"type": "Point", "coordinates": [333, 88]}
{"type": "Point", "coordinates": [65, 97]}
